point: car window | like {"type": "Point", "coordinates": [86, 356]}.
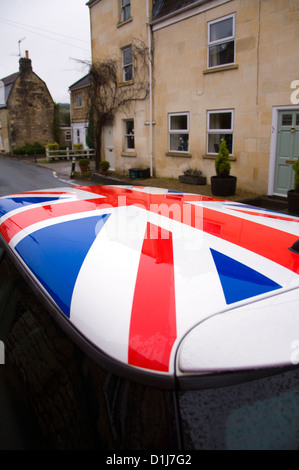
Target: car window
{"type": "Point", "coordinates": [258, 415]}
{"type": "Point", "coordinates": [72, 401]}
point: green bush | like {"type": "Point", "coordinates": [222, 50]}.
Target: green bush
{"type": "Point", "coordinates": [104, 165]}
{"type": "Point", "coordinates": [78, 148]}
{"type": "Point", "coordinates": [222, 162]}
{"type": "Point", "coordinates": [30, 149]}
{"type": "Point", "coordinates": [84, 162]}
{"type": "Point", "coordinates": [296, 181]}
{"type": "Point", "coordinates": [52, 146]}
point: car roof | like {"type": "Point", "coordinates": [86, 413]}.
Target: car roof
{"type": "Point", "coordinates": [151, 277]}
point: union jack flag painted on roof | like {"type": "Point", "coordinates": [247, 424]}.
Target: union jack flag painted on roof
{"type": "Point", "coordinates": [134, 268]}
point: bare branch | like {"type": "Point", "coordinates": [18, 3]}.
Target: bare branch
{"type": "Point", "coordinates": [107, 95]}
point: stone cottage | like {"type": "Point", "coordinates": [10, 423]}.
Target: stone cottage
{"type": "Point", "coordinates": [27, 110]}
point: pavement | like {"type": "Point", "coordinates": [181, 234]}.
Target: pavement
{"type": "Point", "coordinates": [62, 170]}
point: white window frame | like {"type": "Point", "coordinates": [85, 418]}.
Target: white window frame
{"type": "Point", "coordinates": [220, 131]}
{"type": "Point", "coordinates": [79, 102]}
{"type": "Point", "coordinates": [218, 42]}
{"type": "Point", "coordinates": [68, 136]}
{"type": "Point", "coordinates": [127, 135]}
{"type": "Point", "coordinates": [1, 142]}
{"type": "Point", "coordinates": [178, 131]}
{"type": "Point", "coordinates": [124, 5]}
{"type": "Point", "coordinates": [125, 66]}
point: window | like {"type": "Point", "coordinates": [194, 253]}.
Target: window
{"type": "Point", "coordinates": [179, 132]}
{"type": "Point", "coordinates": [258, 415]}
{"type": "Point", "coordinates": [129, 135]}
{"type": "Point", "coordinates": [220, 126]}
{"type": "Point", "coordinates": [79, 100]}
{"type": "Point", "coordinates": [1, 143]}
{"type": "Point", "coordinates": [127, 64]}
{"type": "Point", "coordinates": [125, 9]}
{"type": "Point", "coordinates": [221, 42]}
{"type": "Point", "coordinates": [68, 135]}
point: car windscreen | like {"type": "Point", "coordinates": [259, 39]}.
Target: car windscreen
{"type": "Point", "coordinates": [258, 415]}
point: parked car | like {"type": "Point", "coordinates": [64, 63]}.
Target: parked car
{"type": "Point", "coordinates": [143, 318]}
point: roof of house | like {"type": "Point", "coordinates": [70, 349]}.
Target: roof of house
{"type": "Point", "coordinates": [8, 84]}
{"type": "Point", "coordinates": [83, 82]}
{"type": "Point", "coordinates": [164, 8]}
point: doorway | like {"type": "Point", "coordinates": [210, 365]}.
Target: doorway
{"type": "Point", "coordinates": [287, 150]}
{"type": "Point", "coordinates": [108, 145]}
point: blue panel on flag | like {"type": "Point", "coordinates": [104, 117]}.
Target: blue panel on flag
{"type": "Point", "coordinates": [55, 255]}
{"type": "Point", "coordinates": [10, 204]}
{"type": "Point", "coordinates": [239, 282]}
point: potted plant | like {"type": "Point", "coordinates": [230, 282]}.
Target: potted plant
{"type": "Point", "coordinates": [84, 164]}
{"type": "Point", "coordinates": [104, 166]}
{"type": "Point", "coordinates": [193, 176]}
{"type": "Point", "coordinates": [293, 194]}
{"type": "Point", "coordinates": [139, 173]}
{"type": "Point", "coordinates": [223, 184]}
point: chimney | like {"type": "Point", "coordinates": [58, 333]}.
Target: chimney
{"type": "Point", "coordinates": [25, 65]}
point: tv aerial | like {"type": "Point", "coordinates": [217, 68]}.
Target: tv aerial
{"type": "Point", "coordinates": [19, 44]}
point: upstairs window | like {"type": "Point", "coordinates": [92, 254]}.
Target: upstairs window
{"type": "Point", "coordinates": [79, 100]}
{"type": "Point", "coordinates": [127, 64]}
{"type": "Point", "coordinates": [221, 42]}
{"type": "Point", "coordinates": [125, 9]}
{"type": "Point", "coordinates": [179, 132]}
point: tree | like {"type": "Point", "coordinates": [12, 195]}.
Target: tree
{"type": "Point", "coordinates": [222, 162]}
{"type": "Point", "coordinates": [107, 95]}
{"type": "Point", "coordinates": [56, 122]}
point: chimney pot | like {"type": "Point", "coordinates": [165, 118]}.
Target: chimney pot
{"type": "Point", "coordinates": [25, 66]}
{"type": "Point", "coordinates": [27, 54]}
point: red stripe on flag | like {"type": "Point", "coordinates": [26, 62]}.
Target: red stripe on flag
{"type": "Point", "coordinates": [10, 227]}
{"type": "Point", "coordinates": [153, 319]}
{"type": "Point", "coordinates": [266, 241]}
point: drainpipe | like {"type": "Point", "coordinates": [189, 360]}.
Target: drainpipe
{"type": "Point", "coordinates": [150, 84]}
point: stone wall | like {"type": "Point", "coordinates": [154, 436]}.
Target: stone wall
{"type": "Point", "coordinates": [30, 109]}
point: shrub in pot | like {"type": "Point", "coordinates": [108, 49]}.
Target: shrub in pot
{"type": "Point", "coordinates": [104, 166]}
{"type": "Point", "coordinates": [83, 164]}
{"type": "Point", "coordinates": [192, 176]}
{"type": "Point", "coordinates": [223, 184]}
{"type": "Point", "coordinates": [293, 194]}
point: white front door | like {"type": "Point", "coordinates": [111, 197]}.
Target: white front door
{"type": "Point", "coordinates": [108, 144]}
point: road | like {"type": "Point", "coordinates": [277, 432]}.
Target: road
{"type": "Point", "coordinates": [19, 176]}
